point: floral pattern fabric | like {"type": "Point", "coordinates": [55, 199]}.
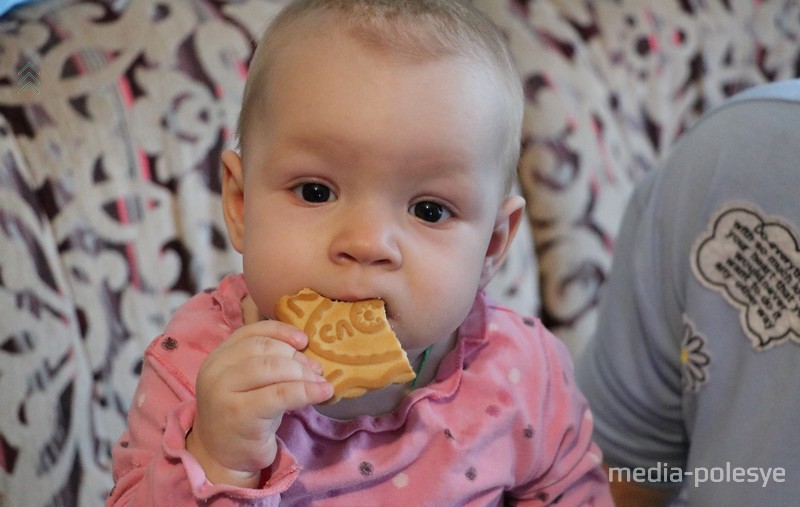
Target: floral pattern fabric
{"type": "Point", "coordinates": [695, 361]}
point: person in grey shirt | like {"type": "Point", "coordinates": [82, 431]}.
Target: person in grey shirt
{"type": "Point", "coordinates": [693, 375]}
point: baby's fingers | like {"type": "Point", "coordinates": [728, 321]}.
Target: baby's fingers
{"type": "Point", "coordinates": [290, 396]}
{"type": "Point", "coordinates": [274, 329]}
{"type": "Point", "coordinates": [261, 371]}
{"type": "Point", "coordinates": [235, 352]}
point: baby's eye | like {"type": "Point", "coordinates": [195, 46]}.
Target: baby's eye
{"type": "Point", "coordinates": [430, 211]}
{"type": "Point", "coordinates": [314, 192]}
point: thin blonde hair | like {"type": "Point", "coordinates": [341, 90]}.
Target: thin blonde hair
{"type": "Point", "coordinates": [414, 29]}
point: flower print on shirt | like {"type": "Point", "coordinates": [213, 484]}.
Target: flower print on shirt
{"type": "Point", "coordinates": [695, 360]}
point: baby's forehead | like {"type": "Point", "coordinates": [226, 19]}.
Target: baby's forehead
{"type": "Point", "coordinates": [397, 38]}
{"type": "Point", "coordinates": [400, 39]}
{"type": "Point", "coordinates": [406, 44]}
{"type": "Point", "coordinates": [419, 30]}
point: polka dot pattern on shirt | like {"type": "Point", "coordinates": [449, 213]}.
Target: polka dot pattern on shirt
{"type": "Point", "coordinates": [400, 480]}
{"type": "Point", "coordinates": [366, 468]}
{"type": "Point", "coordinates": [528, 432]}
{"type": "Point", "coordinates": [169, 343]}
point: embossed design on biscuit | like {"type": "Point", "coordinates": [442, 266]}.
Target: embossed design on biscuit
{"type": "Point", "coordinates": [352, 341]}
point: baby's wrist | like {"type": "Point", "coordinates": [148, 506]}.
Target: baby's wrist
{"type": "Point", "coordinates": [215, 472]}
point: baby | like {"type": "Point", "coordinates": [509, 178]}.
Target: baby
{"type": "Point", "coordinates": [378, 143]}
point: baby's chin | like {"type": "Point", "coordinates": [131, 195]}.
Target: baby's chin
{"type": "Point", "coordinates": [373, 403]}
{"type": "Point", "coordinates": [250, 313]}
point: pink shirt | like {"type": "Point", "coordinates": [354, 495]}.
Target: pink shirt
{"type": "Point", "coordinates": [503, 420]}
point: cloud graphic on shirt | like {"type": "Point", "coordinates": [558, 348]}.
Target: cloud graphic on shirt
{"type": "Point", "coordinates": [753, 260]}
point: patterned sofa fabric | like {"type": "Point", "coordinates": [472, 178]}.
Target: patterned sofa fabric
{"type": "Point", "coordinates": [109, 187]}
{"type": "Point", "coordinates": [108, 216]}
{"type": "Point", "coordinates": [610, 86]}
{"type": "Point", "coordinates": [113, 115]}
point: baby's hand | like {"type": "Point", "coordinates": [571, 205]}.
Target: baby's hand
{"type": "Point", "coordinates": [243, 388]}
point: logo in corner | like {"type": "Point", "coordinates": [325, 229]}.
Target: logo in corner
{"type": "Point", "coordinates": [28, 78]}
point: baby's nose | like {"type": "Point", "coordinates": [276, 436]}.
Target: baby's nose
{"type": "Point", "coordinates": [367, 239]}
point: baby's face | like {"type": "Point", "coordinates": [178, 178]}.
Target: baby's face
{"type": "Point", "coordinates": [371, 176]}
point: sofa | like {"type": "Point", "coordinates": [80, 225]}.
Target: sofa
{"type": "Point", "coordinates": [113, 114]}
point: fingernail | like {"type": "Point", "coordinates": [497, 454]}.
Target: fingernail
{"type": "Point", "coordinates": [325, 389]}
{"type": "Point", "coordinates": [300, 337]}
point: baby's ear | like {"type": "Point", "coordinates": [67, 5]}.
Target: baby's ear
{"type": "Point", "coordinates": [505, 228]}
{"type": "Point", "coordinates": [233, 197]}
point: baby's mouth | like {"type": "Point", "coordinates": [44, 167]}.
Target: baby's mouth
{"type": "Point", "coordinates": [387, 309]}
{"type": "Point", "coordinates": [354, 299]}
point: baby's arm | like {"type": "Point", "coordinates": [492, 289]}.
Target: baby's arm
{"type": "Point", "coordinates": [567, 467]}
{"type": "Point", "coordinates": [151, 464]}
{"type": "Point", "coordinates": [243, 388]}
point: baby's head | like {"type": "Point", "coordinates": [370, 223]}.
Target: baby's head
{"type": "Point", "coordinates": [416, 30]}
{"type": "Point", "coordinates": [378, 142]}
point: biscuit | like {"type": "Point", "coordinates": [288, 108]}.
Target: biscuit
{"type": "Point", "coordinates": [353, 342]}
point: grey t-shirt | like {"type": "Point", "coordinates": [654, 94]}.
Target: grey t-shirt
{"type": "Point", "coordinates": [694, 372]}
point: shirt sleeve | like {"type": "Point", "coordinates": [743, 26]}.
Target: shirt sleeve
{"type": "Point", "coordinates": [630, 372]}
{"type": "Point", "coordinates": [151, 465]}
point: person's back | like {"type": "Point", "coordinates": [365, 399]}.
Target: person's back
{"type": "Point", "coordinates": [692, 371]}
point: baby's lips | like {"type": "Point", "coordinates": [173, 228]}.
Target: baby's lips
{"type": "Point", "coordinates": [353, 298]}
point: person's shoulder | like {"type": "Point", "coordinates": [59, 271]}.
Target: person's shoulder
{"type": "Point", "coordinates": [528, 362]}
{"type": "Point", "coordinates": [202, 322]}
{"type": "Point", "coordinates": [750, 114]}
{"type": "Point", "coordinates": [505, 318]}
{"type": "Point", "coordinates": [743, 147]}
{"type": "Point", "coordinates": [526, 337]}
{"type": "Point", "coordinates": [785, 90]}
